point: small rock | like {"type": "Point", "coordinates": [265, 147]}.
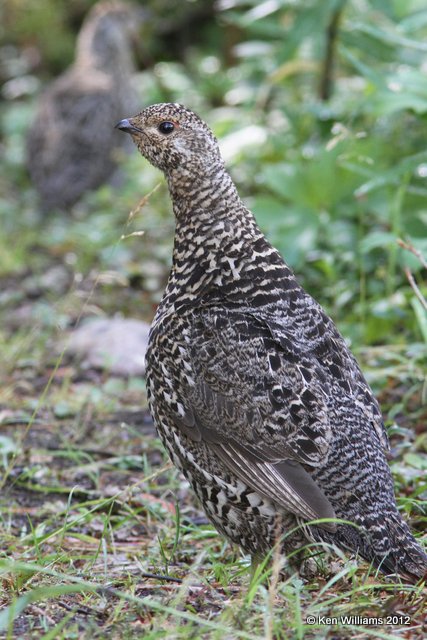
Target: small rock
{"type": "Point", "coordinates": [56, 279]}
{"type": "Point", "coordinates": [115, 344]}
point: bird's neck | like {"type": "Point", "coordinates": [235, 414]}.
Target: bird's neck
{"type": "Point", "coordinates": [211, 219]}
{"type": "Point", "coordinates": [200, 186]}
{"type": "Point", "coordinates": [217, 239]}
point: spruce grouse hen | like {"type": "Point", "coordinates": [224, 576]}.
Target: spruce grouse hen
{"type": "Point", "coordinates": [66, 154]}
{"type": "Point", "coordinates": [253, 390]}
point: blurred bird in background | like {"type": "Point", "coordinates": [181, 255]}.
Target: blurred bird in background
{"type": "Point", "coordinates": [71, 145]}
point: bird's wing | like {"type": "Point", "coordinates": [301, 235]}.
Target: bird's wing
{"type": "Point", "coordinates": [316, 334]}
{"type": "Point", "coordinates": [262, 393]}
{"type": "Point", "coordinates": [286, 483]}
{"type": "Point", "coordinates": [262, 412]}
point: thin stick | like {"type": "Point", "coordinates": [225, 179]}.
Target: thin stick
{"type": "Point", "coordinates": [411, 248]}
{"type": "Point", "coordinates": [155, 576]}
{"type": "Point", "coordinates": [326, 80]}
{"type": "Point", "coordinates": [142, 203]}
{"type": "Point", "coordinates": [415, 288]}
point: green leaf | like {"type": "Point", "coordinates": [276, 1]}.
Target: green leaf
{"type": "Point", "coordinates": [375, 240]}
{"type": "Point", "coordinates": [291, 230]}
{"type": "Point", "coordinates": [389, 37]}
{"type": "Point", "coordinates": [416, 460]}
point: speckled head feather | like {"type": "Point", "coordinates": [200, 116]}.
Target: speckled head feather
{"type": "Point", "coordinates": [188, 143]}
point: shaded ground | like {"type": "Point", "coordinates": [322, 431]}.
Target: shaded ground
{"type": "Point", "coordinates": [93, 544]}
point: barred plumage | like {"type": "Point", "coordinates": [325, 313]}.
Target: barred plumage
{"type": "Point", "coordinates": [253, 390]}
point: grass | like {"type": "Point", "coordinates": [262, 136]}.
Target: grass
{"type": "Point", "coordinates": [93, 544]}
{"type": "Point", "coordinates": [93, 541]}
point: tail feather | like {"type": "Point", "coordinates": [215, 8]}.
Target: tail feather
{"type": "Point", "coordinates": [389, 545]}
{"type": "Point", "coordinates": [406, 556]}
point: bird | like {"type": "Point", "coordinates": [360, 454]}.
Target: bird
{"type": "Point", "coordinates": [254, 392]}
{"type": "Point", "coordinates": [65, 154]}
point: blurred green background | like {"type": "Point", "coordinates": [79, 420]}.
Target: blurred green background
{"type": "Point", "coordinates": [320, 108]}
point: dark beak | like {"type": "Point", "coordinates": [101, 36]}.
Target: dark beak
{"type": "Point", "coordinates": [126, 126]}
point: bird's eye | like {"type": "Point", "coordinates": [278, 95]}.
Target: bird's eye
{"type": "Point", "coordinates": [166, 127]}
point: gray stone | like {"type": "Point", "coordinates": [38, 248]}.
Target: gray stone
{"type": "Point", "coordinates": [115, 344]}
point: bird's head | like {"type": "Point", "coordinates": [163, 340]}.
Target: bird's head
{"type": "Point", "coordinates": [172, 137]}
{"type": "Point", "coordinates": [110, 35]}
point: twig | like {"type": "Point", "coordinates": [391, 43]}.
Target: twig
{"type": "Point", "coordinates": [40, 612]}
{"type": "Point", "coordinates": [161, 577]}
{"type": "Point", "coordinates": [325, 84]}
{"type": "Point", "coordinates": [415, 288]}
{"type": "Point", "coordinates": [411, 248]}
{"type": "Point", "coordinates": [142, 204]}
{"type": "Point", "coordinates": [83, 610]}
{"type": "Point", "coordinates": [410, 277]}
